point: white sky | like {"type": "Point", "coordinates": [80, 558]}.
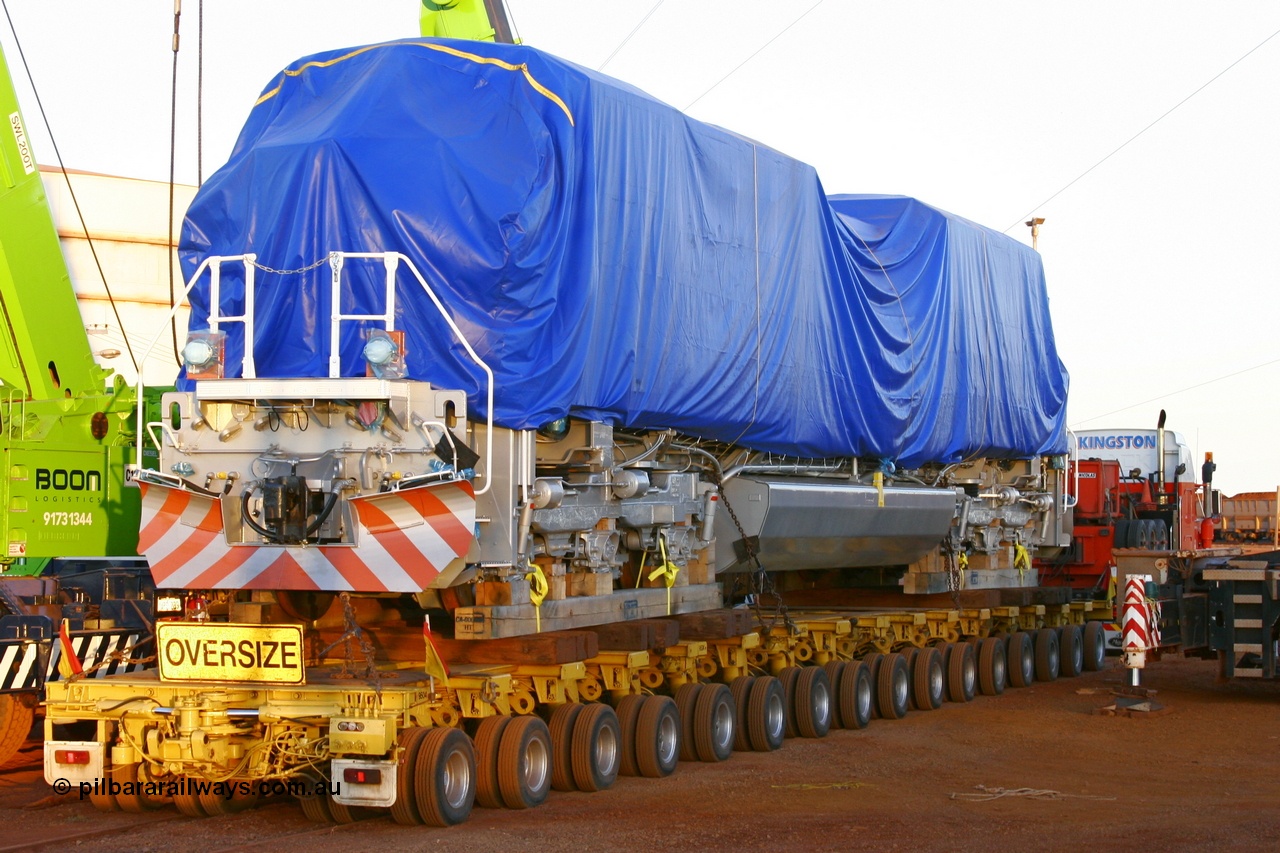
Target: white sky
{"type": "Point", "coordinates": [1157, 261]}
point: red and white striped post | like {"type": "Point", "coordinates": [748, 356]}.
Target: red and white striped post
{"type": "Point", "coordinates": [1135, 624]}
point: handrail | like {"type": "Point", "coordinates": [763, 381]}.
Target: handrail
{"type": "Point", "coordinates": [391, 261]}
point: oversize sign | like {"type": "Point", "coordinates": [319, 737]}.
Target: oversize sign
{"type": "Point", "coordinates": [217, 651]}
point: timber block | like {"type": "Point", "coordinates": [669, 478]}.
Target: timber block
{"type": "Point", "coordinates": [588, 583]}
{"type": "Point", "coordinates": [583, 611]}
{"type": "Point", "coordinates": [702, 566]}
{"type": "Point", "coordinates": [496, 593]}
{"type": "Point", "coordinates": [638, 635]}
{"type": "Point", "coordinates": [557, 647]}
{"type": "Point", "coordinates": [716, 624]}
{"type": "Point", "coordinates": [929, 583]}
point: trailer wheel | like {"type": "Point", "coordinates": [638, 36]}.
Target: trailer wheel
{"type": "Point", "coordinates": [872, 662]}
{"type": "Point", "coordinates": [789, 676]}
{"type": "Point", "coordinates": [596, 743]}
{"type": "Point", "coordinates": [1095, 646]}
{"type": "Point", "coordinates": [524, 761]}
{"type": "Point", "coordinates": [105, 801]}
{"type": "Point", "coordinates": [928, 678]}
{"type": "Point", "coordinates": [315, 807]}
{"type": "Point", "coordinates": [766, 714]}
{"type": "Point", "coordinates": [1021, 659]}
{"type": "Point", "coordinates": [445, 776]}
{"type": "Point", "coordinates": [1048, 655]}
{"type": "Point", "coordinates": [658, 737]}
{"type": "Point", "coordinates": [1140, 534]}
{"type": "Point", "coordinates": [992, 666]}
{"type": "Point", "coordinates": [835, 673]}
{"type": "Point", "coordinates": [962, 673]}
{"type": "Point", "coordinates": [893, 686]}
{"type": "Point", "coordinates": [857, 696]}
{"type": "Point", "coordinates": [404, 810]}
{"type": "Point", "coordinates": [1070, 651]}
{"type": "Point", "coordinates": [188, 803]}
{"type": "Point", "coordinates": [628, 712]}
{"type": "Point", "coordinates": [215, 804]}
{"type": "Point", "coordinates": [135, 802]}
{"type": "Point", "coordinates": [813, 705]}
{"type": "Point", "coordinates": [16, 717]}
{"type": "Point", "coordinates": [487, 738]}
{"type": "Point", "coordinates": [1161, 536]}
{"type": "Point", "coordinates": [1120, 534]}
{"type": "Point", "coordinates": [740, 689]}
{"type": "Point", "coordinates": [713, 723]}
{"type": "Point", "coordinates": [686, 700]}
{"type": "Point", "coordinates": [562, 720]}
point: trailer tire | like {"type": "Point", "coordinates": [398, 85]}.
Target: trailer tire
{"type": "Point", "coordinates": [215, 804]}
{"type": "Point", "coordinates": [893, 686]}
{"type": "Point", "coordinates": [1070, 651]}
{"type": "Point", "coordinates": [740, 689]}
{"type": "Point", "coordinates": [1095, 646]}
{"type": "Point", "coordinates": [962, 672]}
{"type": "Point", "coordinates": [628, 712]}
{"type": "Point", "coordinates": [766, 714]}
{"type": "Point", "coordinates": [835, 672]}
{"type": "Point", "coordinates": [488, 737]}
{"type": "Point", "coordinates": [315, 808]}
{"type": "Point", "coordinates": [1021, 659]}
{"type": "Point", "coordinates": [686, 701]}
{"type": "Point", "coordinates": [1120, 534]}
{"type": "Point", "coordinates": [16, 717]}
{"type": "Point", "coordinates": [561, 728]}
{"type": "Point", "coordinates": [524, 763]}
{"type": "Point", "coordinates": [928, 678]}
{"type": "Point", "coordinates": [872, 662]}
{"type": "Point", "coordinates": [597, 739]}
{"type": "Point", "coordinates": [789, 676]}
{"type": "Point", "coordinates": [658, 737]}
{"type": "Point", "coordinates": [813, 705]}
{"type": "Point", "coordinates": [446, 777]}
{"type": "Point", "coordinates": [1139, 534]}
{"type": "Point", "coordinates": [993, 666]}
{"type": "Point", "coordinates": [189, 803]}
{"type": "Point", "coordinates": [714, 728]}
{"type": "Point", "coordinates": [1048, 655]}
{"type": "Point", "coordinates": [856, 696]}
{"type": "Point", "coordinates": [404, 810]}
{"type": "Point", "coordinates": [139, 801]}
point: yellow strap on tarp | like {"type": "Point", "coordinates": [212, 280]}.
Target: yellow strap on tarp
{"type": "Point", "coordinates": [452, 51]}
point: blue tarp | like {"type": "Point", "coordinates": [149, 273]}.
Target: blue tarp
{"type": "Point", "coordinates": [613, 259]}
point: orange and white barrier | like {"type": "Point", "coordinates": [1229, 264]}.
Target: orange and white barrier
{"type": "Point", "coordinates": [1136, 624]}
{"type": "Point", "coordinates": [403, 541]}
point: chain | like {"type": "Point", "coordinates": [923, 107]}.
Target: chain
{"type": "Point", "coordinates": [299, 270]}
{"type": "Point", "coordinates": [352, 636]}
{"type": "Point", "coordinates": [760, 580]}
{"type": "Point", "coordinates": [953, 572]}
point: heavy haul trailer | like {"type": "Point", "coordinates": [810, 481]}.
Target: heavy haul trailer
{"type": "Point", "coordinates": [67, 430]}
{"type": "Point", "coordinates": [512, 411]}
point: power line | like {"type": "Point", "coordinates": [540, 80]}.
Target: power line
{"type": "Point", "coordinates": [1021, 219]}
{"type": "Point", "coordinates": [1179, 391]}
{"type": "Point", "coordinates": [634, 30]}
{"type": "Point", "coordinates": [752, 56]}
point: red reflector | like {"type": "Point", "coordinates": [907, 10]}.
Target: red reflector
{"type": "Point", "coordinates": [71, 756]}
{"type": "Point", "coordinates": [362, 776]}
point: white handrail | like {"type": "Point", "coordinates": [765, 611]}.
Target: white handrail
{"type": "Point", "coordinates": [391, 261]}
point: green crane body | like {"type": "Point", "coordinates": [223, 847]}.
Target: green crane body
{"type": "Point", "coordinates": [66, 431]}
